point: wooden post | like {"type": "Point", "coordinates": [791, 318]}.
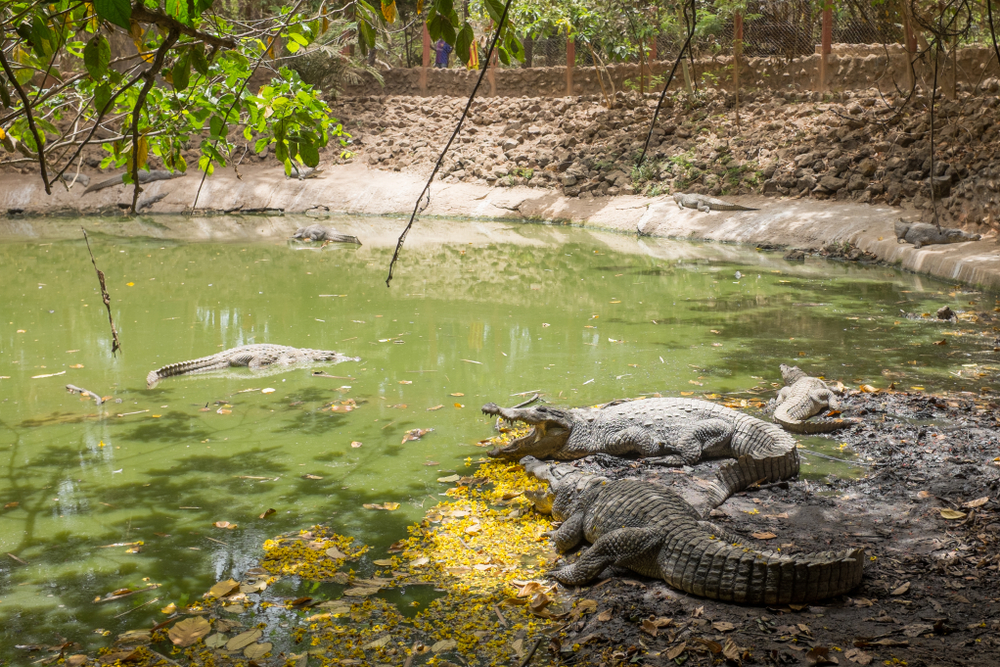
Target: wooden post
{"type": "Point", "coordinates": [570, 62]}
{"type": "Point", "coordinates": [825, 48]}
{"type": "Point", "coordinates": [426, 61]}
{"type": "Point", "coordinates": [491, 70]}
{"type": "Point", "coordinates": [737, 53]}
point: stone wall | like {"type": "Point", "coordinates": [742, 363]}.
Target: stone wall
{"type": "Point", "coordinates": [850, 67]}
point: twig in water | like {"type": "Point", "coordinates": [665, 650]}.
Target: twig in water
{"type": "Point", "coordinates": [72, 388]}
{"type": "Point", "coordinates": [465, 112]}
{"type": "Point", "coordinates": [139, 607]}
{"type": "Point", "coordinates": [115, 343]}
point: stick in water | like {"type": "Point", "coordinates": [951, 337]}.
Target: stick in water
{"type": "Point", "coordinates": [115, 343]}
{"type": "Point", "coordinates": [72, 388]}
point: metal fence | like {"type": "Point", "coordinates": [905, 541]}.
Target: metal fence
{"type": "Point", "coordinates": [771, 28]}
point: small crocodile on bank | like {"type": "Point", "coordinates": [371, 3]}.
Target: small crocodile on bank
{"type": "Point", "coordinates": [705, 204]}
{"type": "Point", "coordinates": [651, 530]}
{"type": "Point", "coordinates": [252, 356]}
{"type": "Point", "coordinates": [921, 234]}
{"type": "Point", "coordinates": [664, 431]}
{"type": "Point", "coordinates": [801, 398]}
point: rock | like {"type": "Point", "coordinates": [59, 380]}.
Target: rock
{"type": "Point", "coordinates": [795, 256]}
{"type": "Point", "coordinates": [509, 144]}
{"type": "Point", "coordinates": [830, 183]}
{"type": "Point", "coordinates": [807, 181]}
{"type": "Point", "coordinates": [945, 313]}
{"type": "Point", "coordinates": [867, 167]}
{"type": "Point", "coordinates": [857, 182]}
{"type": "Point", "coordinates": [567, 179]}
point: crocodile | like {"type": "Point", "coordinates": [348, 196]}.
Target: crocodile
{"type": "Point", "coordinates": [801, 398]}
{"type": "Point", "coordinates": [651, 530]}
{"type": "Point", "coordinates": [921, 234]}
{"type": "Point", "coordinates": [663, 431]}
{"type": "Point", "coordinates": [144, 177]}
{"type": "Point", "coordinates": [321, 233]}
{"type": "Point", "coordinates": [252, 356]}
{"type": "Point", "coordinates": [706, 204]}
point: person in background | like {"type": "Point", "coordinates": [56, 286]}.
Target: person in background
{"type": "Point", "coordinates": [443, 51]}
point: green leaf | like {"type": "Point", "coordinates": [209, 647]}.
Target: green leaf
{"type": "Point", "coordinates": [218, 127]}
{"type": "Point", "coordinates": [495, 9]}
{"type": "Point", "coordinates": [199, 60]}
{"type": "Point", "coordinates": [367, 32]}
{"type": "Point", "coordinates": [179, 10]}
{"type": "Point", "coordinates": [462, 43]}
{"type": "Point", "coordinates": [24, 75]}
{"type": "Point", "coordinates": [299, 38]}
{"type": "Point", "coordinates": [261, 144]}
{"type": "Point", "coordinates": [182, 71]}
{"type": "Point", "coordinates": [42, 38]}
{"type": "Point", "coordinates": [292, 47]}
{"type": "Point", "coordinates": [309, 154]}
{"type": "Point", "coordinates": [116, 11]}
{"type": "Point", "coordinates": [102, 96]}
{"type": "Point", "coordinates": [96, 56]}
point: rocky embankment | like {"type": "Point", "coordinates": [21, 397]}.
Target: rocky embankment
{"type": "Point", "coordinates": [853, 145]}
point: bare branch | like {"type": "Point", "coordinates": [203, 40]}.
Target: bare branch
{"type": "Point", "coordinates": [150, 76]}
{"type": "Point", "coordinates": [31, 119]}
{"type": "Point", "coordinates": [143, 15]}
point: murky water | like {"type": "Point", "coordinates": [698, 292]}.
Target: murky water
{"type": "Point", "coordinates": [94, 499]}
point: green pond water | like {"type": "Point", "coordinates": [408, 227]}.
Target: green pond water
{"type": "Point", "coordinates": [478, 312]}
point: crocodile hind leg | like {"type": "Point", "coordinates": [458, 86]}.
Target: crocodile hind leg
{"type": "Point", "coordinates": [706, 438]}
{"type": "Point", "coordinates": [619, 547]}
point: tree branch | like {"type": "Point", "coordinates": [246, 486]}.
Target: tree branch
{"type": "Point", "coordinates": [143, 15]}
{"type": "Point", "coordinates": [31, 119]}
{"type": "Point", "coordinates": [150, 76]}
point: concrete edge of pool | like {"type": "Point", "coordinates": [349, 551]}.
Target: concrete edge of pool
{"type": "Point", "coordinates": [807, 224]}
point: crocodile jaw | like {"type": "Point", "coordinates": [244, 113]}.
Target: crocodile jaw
{"type": "Point", "coordinates": [544, 439]}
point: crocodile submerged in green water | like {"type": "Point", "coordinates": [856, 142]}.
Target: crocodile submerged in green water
{"type": "Point", "coordinates": [663, 431]}
{"type": "Point", "coordinates": [651, 530]}
{"type": "Point", "coordinates": [801, 398]}
{"type": "Point", "coordinates": [321, 233]}
{"type": "Point", "coordinates": [705, 204]}
{"type": "Point", "coordinates": [253, 357]}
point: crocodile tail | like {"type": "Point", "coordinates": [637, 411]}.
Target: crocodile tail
{"type": "Point", "coordinates": [724, 567]}
{"type": "Point", "coordinates": [201, 365]}
{"type": "Point", "coordinates": [813, 425]}
{"type": "Point", "coordinates": [748, 470]}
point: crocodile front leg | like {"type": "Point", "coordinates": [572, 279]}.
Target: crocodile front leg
{"type": "Point", "coordinates": [570, 533]}
{"type": "Point", "coordinates": [625, 546]}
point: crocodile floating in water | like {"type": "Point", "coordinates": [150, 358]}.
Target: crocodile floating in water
{"type": "Point", "coordinates": [651, 530]}
{"type": "Point", "coordinates": [921, 234]}
{"type": "Point", "coordinates": [801, 398]}
{"type": "Point", "coordinates": [321, 233]}
{"type": "Point", "coordinates": [706, 204]}
{"type": "Point", "coordinates": [252, 356]}
{"type": "Point", "coordinates": [664, 431]}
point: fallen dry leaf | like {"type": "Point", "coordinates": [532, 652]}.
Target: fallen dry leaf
{"type": "Point", "coordinates": [858, 656]}
{"type": "Point", "coordinates": [723, 626]}
{"type": "Point", "coordinates": [676, 651]}
{"type": "Point", "coordinates": [223, 588]}
{"type": "Point", "coordinates": [764, 536]}
{"type": "Point", "coordinates": [188, 631]}
{"type": "Point", "coordinates": [604, 616]}
{"type": "Point", "coordinates": [76, 660]}
{"type": "Point", "coordinates": [436, 407]}
{"type": "Point", "coordinates": [950, 514]}
{"type": "Point", "coordinates": [169, 609]}
{"type": "Point", "coordinates": [335, 553]}
{"type": "Point", "coordinates": [415, 434]}
{"type": "Point", "coordinates": [268, 512]}
{"type": "Point", "coordinates": [311, 476]}
{"type": "Point", "coordinates": [355, 444]}
{"type": "Point", "coordinates": [224, 524]}
{"type": "Point", "coordinates": [256, 651]}
{"type": "Point", "coordinates": [649, 628]}
{"type": "Point", "coordinates": [902, 589]}
{"type": "Point", "coordinates": [244, 639]}
{"type": "Point", "coordinates": [978, 502]}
